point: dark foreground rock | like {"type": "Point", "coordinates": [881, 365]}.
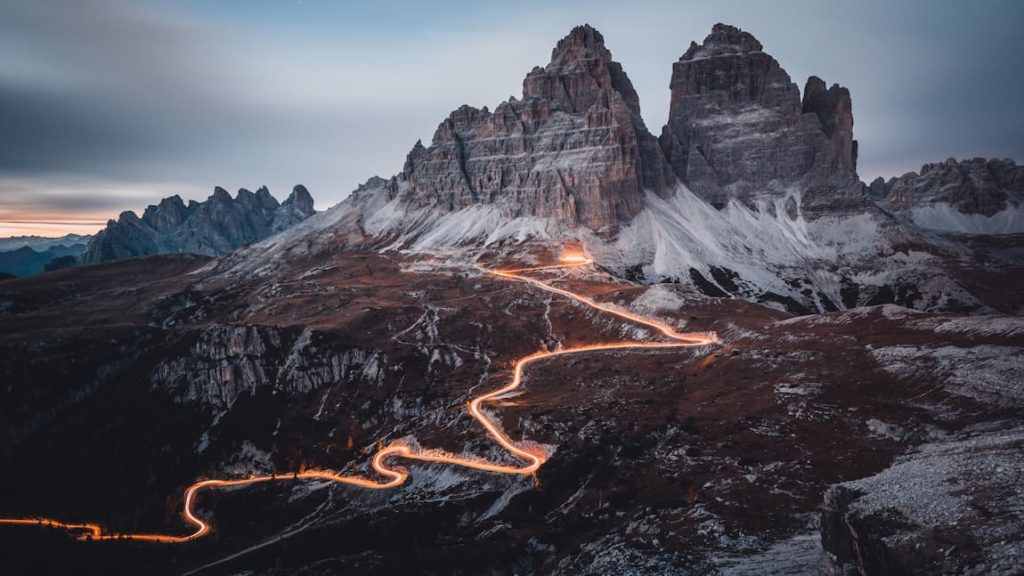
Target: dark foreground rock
{"type": "Point", "coordinates": [663, 462]}
{"type": "Point", "coordinates": [954, 506]}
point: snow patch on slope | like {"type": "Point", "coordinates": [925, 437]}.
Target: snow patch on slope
{"type": "Point", "coordinates": [1009, 326]}
{"type": "Point", "coordinates": [764, 251]}
{"type": "Point", "coordinates": [990, 374]}
{"type": "Point", "coordinates": [682, 232]}
{"type": "Point", "coordinates": [943, 217]}
{"type": "Point", "coordinates": [481, 225]}
{"type": "Point", "coordinates": [658, 298]}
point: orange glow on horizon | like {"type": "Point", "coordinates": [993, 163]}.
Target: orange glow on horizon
{"type": "Point", "coordinates": [530, 458]}
{"type": "Point", "coordinates": [48, 229]}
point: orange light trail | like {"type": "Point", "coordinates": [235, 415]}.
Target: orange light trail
{"type": "Point", "coordinates": [531, 459]}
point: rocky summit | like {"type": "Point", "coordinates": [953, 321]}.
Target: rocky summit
{"type": "Point", "coordinates": [212, 228]}
{"type": "Point", "coordinates": [738, 130]}
{"type": "Point", "coordinates": [573, 148]}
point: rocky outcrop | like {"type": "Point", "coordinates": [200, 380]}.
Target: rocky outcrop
{"type": "Point", "coordinates": [878, 188]}
{"type": "Point", "coordinates": [296, 208]}
{"type": "Point", "coordinates": [573, 148]}
{"type": "Point", "coordinates": [950, 507]}
{"type": "Point", "coordinates": [970, 196]}
{"type": "Point", "coordinates": [971, 187]}
{"type": "Point", "coordinates": [976, 186]}
{"type": "Point", "coordinates": [212, 228]}
{"type": "Point", "coordinates": [227, 362]}
{"type": "Point", "coordinates": [738, 130]}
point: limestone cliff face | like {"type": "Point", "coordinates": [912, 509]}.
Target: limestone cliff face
{"type": "Point", "coordinates": [573, 148]}
{"type": "Point", "coordinates": [738, 130]}
{"type": "Point", "coordinates": [227, 362]}
{"type": "Point", "coordinates": [212, 228]}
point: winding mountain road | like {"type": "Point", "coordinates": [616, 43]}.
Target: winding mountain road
{"type": "Point", "coordinates": [390, 477]}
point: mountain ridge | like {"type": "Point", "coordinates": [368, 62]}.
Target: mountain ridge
{"type": "Point", "coordinates": [211, 228]}
{"type": "Point", "coordinates": [971, 196]}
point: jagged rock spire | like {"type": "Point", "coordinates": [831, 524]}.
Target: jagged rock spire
{"type": "Point", "coordinates": [573, 148]}
{"type": "Point", "coordinates": [834, 109]}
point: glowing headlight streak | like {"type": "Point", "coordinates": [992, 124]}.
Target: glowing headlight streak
{"type": "Point", "coordinates": [391, 477]}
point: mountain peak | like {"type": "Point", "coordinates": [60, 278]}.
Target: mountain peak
{"type": "Point", "coordinates": [729, 85]}
{"type": "Point", "coordinates": [582, 42]}
{"type": "Point", "coordinates": [171, 203]}
{"type": "Point", "coordinates": [220, 194]}
{"type": "Point", "coordinates": [296, 208]}
{"type": "Point", "coordinates": [301, 199]}
{"type": "Point", "coordinates": [580, 72]}
{"type": "Point", "coordinates": [580, 109]}
{"type": "Point", "coordinates": [724, 39]}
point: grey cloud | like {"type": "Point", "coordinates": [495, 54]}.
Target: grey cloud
{"type": "Point", "coordinates": [97, 88]}
{"type": "Point", "coordinates": [46, 132]}
{"type": "Point", "coordinates": [72, 201]}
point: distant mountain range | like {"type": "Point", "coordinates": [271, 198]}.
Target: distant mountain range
{"type": "Point", "coordinates": [40, 243]}
{"type": "Point", "coordinates": [975, 196]}
{"type": "Point", "coordinates": [28, 255]}
{"type": "Point", "coordinates": [211, 228]}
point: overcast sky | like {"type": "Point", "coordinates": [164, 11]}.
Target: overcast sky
{"type": "Point", "coordinates": [109, 105]}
